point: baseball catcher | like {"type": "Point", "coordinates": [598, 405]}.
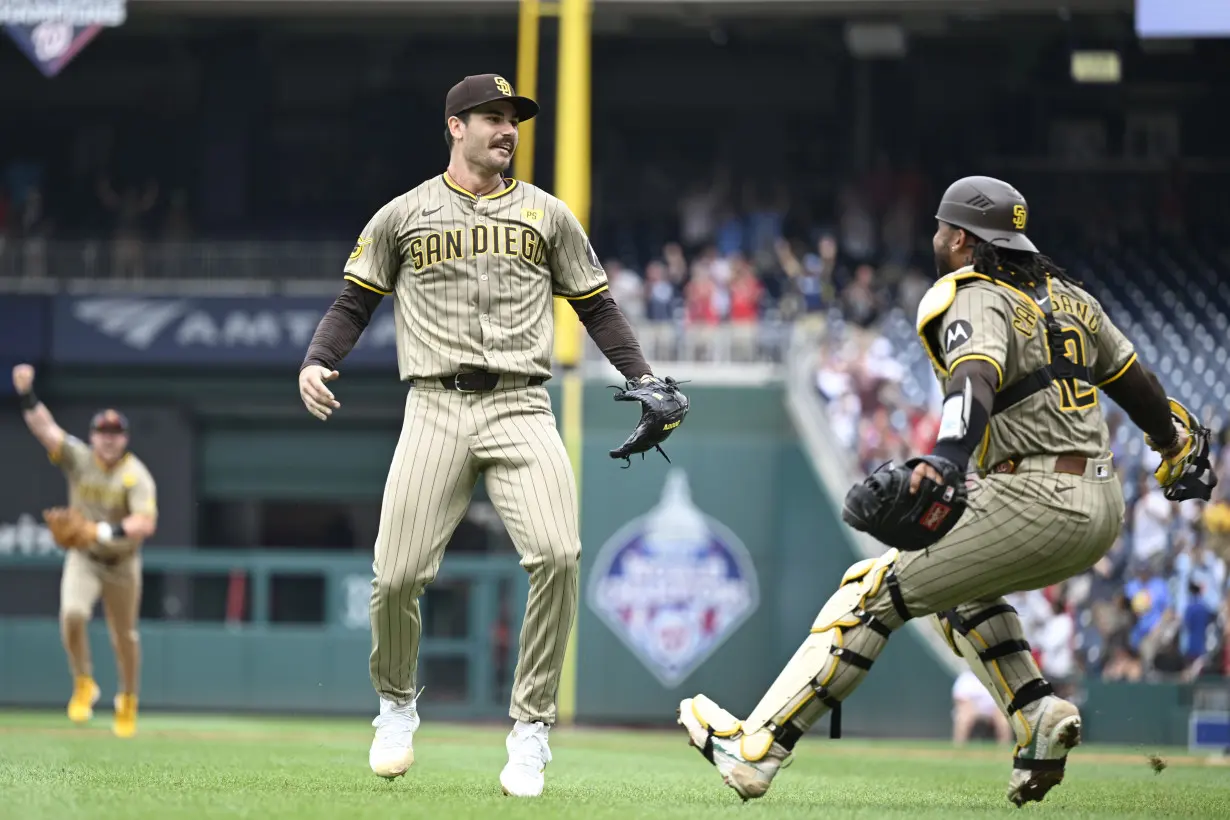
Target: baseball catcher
{"type": "Point", "coordinates": [1021, 352]}
{"type": "Point", "coordinates": [663, 408]}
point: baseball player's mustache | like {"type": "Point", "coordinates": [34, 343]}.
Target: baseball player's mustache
{"type": "Point", "coordinates": [505, 144]}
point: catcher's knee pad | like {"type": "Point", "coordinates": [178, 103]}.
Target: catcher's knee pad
{"type": "Point", "coordinates": [990, 638]}
{"type": "Point", "coordinates": [845, 640]}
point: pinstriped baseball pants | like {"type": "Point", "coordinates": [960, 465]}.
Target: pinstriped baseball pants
{"type": "Point", "coordinates": [447, 440]}
{"type": "Point", "coordinates": [1021, 531]}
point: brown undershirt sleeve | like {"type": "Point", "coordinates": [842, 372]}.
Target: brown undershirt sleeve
{"type": "Point", "coordinates": [341, 326]}
{"type": "Point", "coordinates": [608, 327]}
{"type": "Point", "coordinates": [1144, 399]}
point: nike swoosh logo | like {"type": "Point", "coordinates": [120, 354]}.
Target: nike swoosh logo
{"type": "Point", "coordinates": [432, 211]}
{"type": "Point", "coordinates": [1041, 301]}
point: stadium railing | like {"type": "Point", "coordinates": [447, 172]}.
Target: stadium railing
{"type": "Point", "coordinates": [243, 657]}
{"type": "Point", "coordinates": [102, 261]}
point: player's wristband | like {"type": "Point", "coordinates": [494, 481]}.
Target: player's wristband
{"type": "Point", "coordinates": [955, 452]}
{"type": "Point", "coordinates": [1166, 443]}
{"type": "Point", "coordinates": [29, 401]}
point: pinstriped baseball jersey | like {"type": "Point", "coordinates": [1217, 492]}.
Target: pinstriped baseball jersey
{"type": "Point", "coordinates": [967, 315]}
{"type": "Point", "coordinates": [105, 494]}
{"type": "Point", "coordinates": [473, 276]}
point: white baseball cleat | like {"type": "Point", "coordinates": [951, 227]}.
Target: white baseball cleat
{"type": "Point", "coordinates": [746, 763]}
{"type": "Point", "coordinates": [1055, 729]}
{"type": "Point", "coordinates": [392, 750]}
{"type": "Point", "coordinates": [528, 756]}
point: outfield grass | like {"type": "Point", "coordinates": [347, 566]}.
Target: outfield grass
{"type": "Point", "coordinates": [211, 767]}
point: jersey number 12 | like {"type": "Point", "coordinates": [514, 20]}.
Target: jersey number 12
{"type": "Point", "coordinates": [1073, 393]}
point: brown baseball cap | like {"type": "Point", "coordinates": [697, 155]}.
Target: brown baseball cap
{"type": "Point", "coordinates": [109, 421]}
{"type": "Point", "coordinates": [477, 89]}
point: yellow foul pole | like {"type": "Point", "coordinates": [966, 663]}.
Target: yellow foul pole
{"type": "Point", "coordinates": [572, 180]}
{"type": "Point", "coordinates": [527, 84]}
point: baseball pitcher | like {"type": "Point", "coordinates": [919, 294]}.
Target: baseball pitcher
{"type": "Point", "coordinates": [474, 260]}
{"type": "Point", "coordinates": [112, 508]}
{"type": "Point", "coordinates": [1021, 352]}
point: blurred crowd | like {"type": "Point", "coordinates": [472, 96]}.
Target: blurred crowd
{"type": "Point", "coordinates": [133, 219]}
{"type": "Point", "coordinates": [733, 274]}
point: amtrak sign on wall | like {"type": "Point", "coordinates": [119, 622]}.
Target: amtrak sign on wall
{"type": "Point", "coordinates": [204, 330]}
{"type": "Point", "coordinates": [673, 584]}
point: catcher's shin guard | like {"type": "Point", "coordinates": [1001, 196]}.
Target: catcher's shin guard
{"type": "Point", "coordinates": [990, 638]}
{"type": "Point", "coordinates": [845, 640]}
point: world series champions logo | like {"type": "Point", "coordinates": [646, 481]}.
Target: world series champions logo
{"type": "Point", "coordinates": [52, 32]}
{"type": "Point", "coordinates": [673, 585]}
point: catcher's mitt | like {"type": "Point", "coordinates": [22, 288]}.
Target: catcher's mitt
{"type": "Point", "coordinates": [1186, 473]}
{"type": "Point", "coordinates": [663, 409]}
{"type": "Point", "coordinates": [70, 528]}
{"type": "Point", "coordinates": [882, 506]}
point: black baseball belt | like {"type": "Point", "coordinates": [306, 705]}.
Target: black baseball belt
{"type": "Point", "coordinates": [479, 381]}
{"type": "Point", "coordinates": [1070, 463]}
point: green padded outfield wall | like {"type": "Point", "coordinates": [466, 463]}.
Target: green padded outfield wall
{"type": "Point", "coordinates": [745, 471]}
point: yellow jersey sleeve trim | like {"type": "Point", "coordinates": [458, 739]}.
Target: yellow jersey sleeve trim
{"type": "Point", "coordinates": [983, 447]}
{"type": "Point", "coordinates": [583, 296]}
{"type": "Point", "coordinates": [983, 358]}
{"type": "Point", "coordinates": [366, 285]}
{"type": "Point", "coordinates": [1119, 372]}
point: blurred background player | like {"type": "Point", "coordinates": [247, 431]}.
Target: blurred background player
{"type": "Point", "coordinates": [974, 708]}
{"type": "Point", "coordinates": [114, 490]}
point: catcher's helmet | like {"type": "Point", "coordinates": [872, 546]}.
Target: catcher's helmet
{"type": "Point", "coordinates": [989, 208]}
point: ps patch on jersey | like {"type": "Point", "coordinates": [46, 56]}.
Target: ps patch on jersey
{"type": "Point", "coordinates": [956, 334]}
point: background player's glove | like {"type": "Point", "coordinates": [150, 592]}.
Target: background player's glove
{"type": "Point", "coordinates": [1185, 472]}
{"type": "Point", "coordinates": [883, 507]}
{"type": "Point", "coordinates": [663, 409]}
{"type": "Point", "coordinates": [70, 528]}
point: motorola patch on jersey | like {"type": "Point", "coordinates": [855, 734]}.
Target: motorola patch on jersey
{"type": "Point", "coordinates": [956, 334]}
